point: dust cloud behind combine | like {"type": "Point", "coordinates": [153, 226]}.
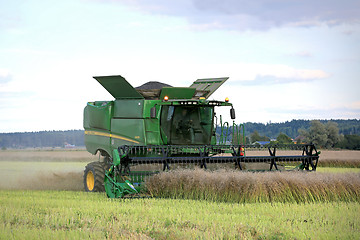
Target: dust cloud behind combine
{"type": "Point", "coordinates": [43, 169]}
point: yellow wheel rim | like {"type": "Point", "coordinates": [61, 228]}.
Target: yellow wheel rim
{"type": "Point", "coordinates": [90, 181]}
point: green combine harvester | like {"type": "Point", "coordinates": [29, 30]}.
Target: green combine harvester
{"type": "Point", "coordinates": [156, 127]}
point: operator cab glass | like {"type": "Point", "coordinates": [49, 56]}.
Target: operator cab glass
{"type": "Point", "coordinates": [186, 124]}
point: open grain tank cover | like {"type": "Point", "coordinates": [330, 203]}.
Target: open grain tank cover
{"type": "Point", "coordinates": [118, 87]}
{"type": "Point", "coordinates": [205, 87]}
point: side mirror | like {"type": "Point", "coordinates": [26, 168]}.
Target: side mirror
{"type": "Point", "coordinates": [153, 112]}
{"type": "Point", "coordinates": [232, 113]}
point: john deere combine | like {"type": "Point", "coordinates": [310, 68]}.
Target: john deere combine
{"type": "Point", "coordinates": [157, 128]}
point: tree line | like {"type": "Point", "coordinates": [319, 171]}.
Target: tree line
{"type": "Point", "coordinates": [41, 139]}
{"type": "Point", "coordinates": [291, 128]}
{"type": "Point", "coordinates": [324, 134]}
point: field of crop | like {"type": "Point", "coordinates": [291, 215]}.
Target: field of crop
{"type": "Point", "coordinates": [47, 155]}
{"type": "Point", "coordinates": [328, 158]}
{"type": "Point", "coordinates": [277, 205]}
{"type": "Point", "coordinates": [249, 187]}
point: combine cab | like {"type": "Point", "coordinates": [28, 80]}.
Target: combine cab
{"type": "Point", "coordinates": [156, 128]}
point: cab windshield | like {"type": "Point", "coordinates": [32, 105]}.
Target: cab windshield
{"type": "Point", "coordinates": [186, 124]}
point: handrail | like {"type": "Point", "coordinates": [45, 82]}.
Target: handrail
{"type": "Point", "coordinates": [237, 131]}
{"type": "Point", "coordinates": [223, 126]}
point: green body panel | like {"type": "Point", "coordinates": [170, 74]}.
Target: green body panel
{"type": "Point", "coordinates": [129, 121]}
{"type": "Point", "coordinates": [148, 104]}
{"type": "Point", "coordinates": [127, 131]}
{"type": "Point", "coordinates": [152, 132]}
{"type": "Point", "coordinates": [128, 108]}
{"type": "Point", "coordinates": [97, 119]}
{"type": "Point", "coordinates": [96, 139]}
{"type": "Point", "coordinates": [152, 125]}
{"type": "Point", "coordinates": [177, 92]}
{"type": "Point", "coordinates": [98, 115]}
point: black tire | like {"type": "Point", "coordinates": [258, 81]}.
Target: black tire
{"type": "Point", "coordinates": [94, 175]}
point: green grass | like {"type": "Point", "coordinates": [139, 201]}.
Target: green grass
{"type": "Point", "coordinates": [80, 215]}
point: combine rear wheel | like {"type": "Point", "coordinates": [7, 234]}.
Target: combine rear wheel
{"type": "Point", "coordinates": [94, 175]}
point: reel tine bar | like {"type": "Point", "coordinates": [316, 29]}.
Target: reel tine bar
{"type": "Point", "coordinates": [202, 155]}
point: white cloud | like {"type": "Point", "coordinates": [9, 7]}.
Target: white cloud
{"type": "Point", "coordinates": [5, 76]}
{"type": "Point", "coordinates": [355, 105]}
{"type": "Point", "coordinates": [260, 14]}
{"type": "Point", "coordinates": [246, 73]}
{"type": "Point", "coordinates": [305, 54]}
{"type": "Point", "coordinates": [261, 74]}
{"type": "Point", "coordinates": [287, 72]}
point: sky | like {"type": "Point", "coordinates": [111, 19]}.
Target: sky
{"type": "Point", "coordinates": [285, 59]}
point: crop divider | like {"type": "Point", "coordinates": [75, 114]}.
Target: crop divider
{"type": "Point", "coordinates": [312, 154]}
{"type": "Point", "coordinates": [237, 155]}
{"type": "Point", "coordinates": [124, 160]}
{"type": "Point", "coordinates": [166, 159]}
{"type": "Point", "coordinates": [273, 159]}
{"type": "Point", "coordinates": [204, 155]}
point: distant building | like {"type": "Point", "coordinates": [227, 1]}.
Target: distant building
{"type": "Point", "coordinates": [261, 143]}
{"type": "Point", "coordinates": [299, 139]}
{"type": "Point", "coordinates": [68, 145]}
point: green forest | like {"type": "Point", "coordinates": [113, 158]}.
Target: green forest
{"type": "Point", "coordinates": [42, 139]}
{"type": "Point", "coordinates": [346, 133]}
{"type": "Point", "coordinates": [291, 128]}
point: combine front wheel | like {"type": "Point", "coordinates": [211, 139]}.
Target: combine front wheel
{"type": "Point", "coordinates": [94, 175]}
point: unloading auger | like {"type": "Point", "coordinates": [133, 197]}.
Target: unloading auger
{"type": "Point", "coordinates": [156, 127]}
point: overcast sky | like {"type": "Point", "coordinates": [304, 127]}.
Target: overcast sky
{"type": "Point", "coordinates": [286, 59]}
